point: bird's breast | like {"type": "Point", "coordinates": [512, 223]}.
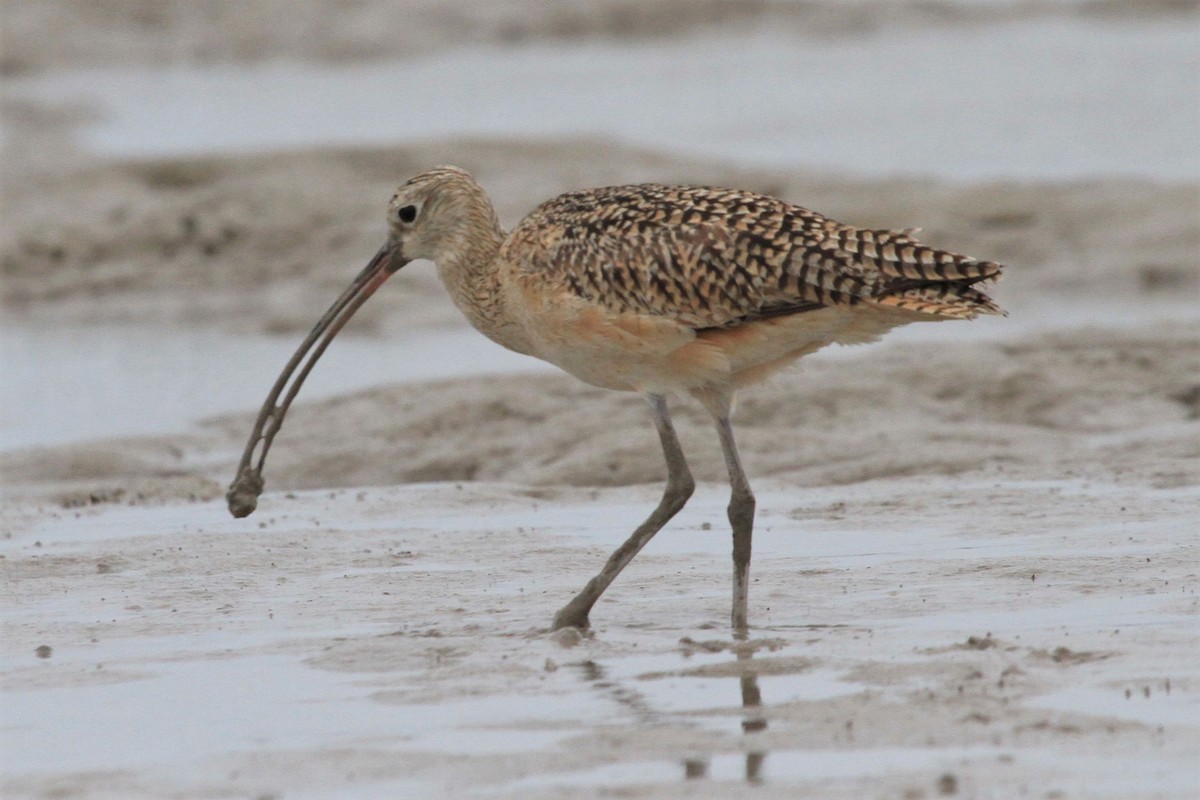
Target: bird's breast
{"type": "Point", "coordinates": [622, 351]}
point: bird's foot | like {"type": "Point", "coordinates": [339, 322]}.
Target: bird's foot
{"type": "Point", "coordinates": [573, 615]}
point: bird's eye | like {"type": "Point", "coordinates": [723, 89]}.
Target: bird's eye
{"type": "Point", "coordinates": [407, 213]}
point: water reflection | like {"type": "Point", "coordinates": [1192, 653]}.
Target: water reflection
{"type": "Point", "coordinates": [696, 767]}
{"type": "Point", "coordinates": [754, 719]}
{"type": "Point", "coordinates": [635, 701]}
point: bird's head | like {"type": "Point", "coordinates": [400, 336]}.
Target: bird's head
{"type": "Point", "coordinates": [438, 215]}
{"type": "Point", "coordinates": [435, 215]}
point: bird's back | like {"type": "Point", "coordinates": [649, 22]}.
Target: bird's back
{"type": "Point", "coordinates": [717, 258]}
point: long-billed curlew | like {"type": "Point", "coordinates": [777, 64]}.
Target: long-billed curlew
{"type": "Point", "coordinates": [653, 289]}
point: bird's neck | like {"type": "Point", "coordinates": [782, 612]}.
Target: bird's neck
{"type": "Point", "coordinates": [469, 271]}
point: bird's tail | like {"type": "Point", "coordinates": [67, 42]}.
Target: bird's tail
{"type": "Point", "coordinates": [924, 280]}
{"type": "Point", "coordinates": [945, 300]}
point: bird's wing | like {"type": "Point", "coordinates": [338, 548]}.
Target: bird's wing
{"type": "Point", "coordinates": [712, 258]}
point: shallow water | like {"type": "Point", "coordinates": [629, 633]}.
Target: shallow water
{"type": "Point", "coordinates": [1149, 702]}
{"type": "Point", "coordinates": [229, 709]}
{"type": "Point", "coordinates": [1055, 98]}
{"type": "Point", "coordinates": [71, 384]}
{"type": "Point", "coordinates": [789, 766]}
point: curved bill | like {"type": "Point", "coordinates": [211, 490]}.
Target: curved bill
{"type": "Point", "coordinates": [248, 484]}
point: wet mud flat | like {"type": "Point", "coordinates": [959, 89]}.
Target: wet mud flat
{"type": "Point", "coordinates": [395, 641]}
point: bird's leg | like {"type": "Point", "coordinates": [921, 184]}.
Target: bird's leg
{"type": "Point", "coordinates": [680, 486]}
{"type": "Point", "coordinates": [741, 506]}
{"type": "Point", "coordinates": [741, 519]}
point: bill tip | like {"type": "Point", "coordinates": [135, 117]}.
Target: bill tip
{"type": "Point", "coordinates": [243, 493]}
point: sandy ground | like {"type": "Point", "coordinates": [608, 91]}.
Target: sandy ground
{"type": "Point", "coordinates": [979, 637]}
{"type": "Point", "coordinates": [976, 553]}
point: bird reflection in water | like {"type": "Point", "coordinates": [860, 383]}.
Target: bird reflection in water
{"type": "Point", "coordinates": [754, 719]}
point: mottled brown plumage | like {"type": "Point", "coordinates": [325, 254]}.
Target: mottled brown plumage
{"type": "Point", "coordinates": [716, 258]}
{"type": "Point", "coordinates": [655, 289]}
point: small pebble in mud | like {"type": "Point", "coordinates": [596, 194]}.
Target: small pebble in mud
{"type": "Point", "coordinates": [947, 784]}
{"type": "Point", "coordinates": [44, 651]}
